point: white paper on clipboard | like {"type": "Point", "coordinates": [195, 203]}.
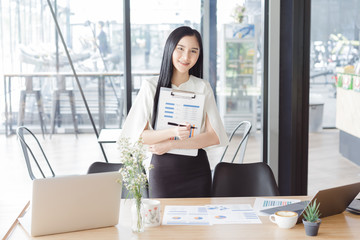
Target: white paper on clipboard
{"type": "Point", "coordinates": [180, 107]}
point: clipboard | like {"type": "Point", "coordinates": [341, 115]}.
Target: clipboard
{"type": "Point", "coordinates": [176, 107]}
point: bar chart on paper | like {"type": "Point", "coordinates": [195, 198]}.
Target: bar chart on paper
{"type": "Point", "coordinates": [275, 203]}
{"type": "Point", "coordinates": [265, 203]}
{"type": "Point", "coordinates": [175, 112]}
{"type": "Point", "coordinates": [177, 108]}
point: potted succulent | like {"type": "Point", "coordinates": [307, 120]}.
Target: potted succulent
{"type": "Point", "coordinates": [311, 219]}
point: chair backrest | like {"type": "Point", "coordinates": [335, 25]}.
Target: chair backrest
{"type": "Point", "coordinates": [246, 127]}
{"type": "Point", "coordinates": [37, 158]}
{"type": "Point", "coordinates": [98, 167]}
{"type": "Point", "coordinates": [243, 180]}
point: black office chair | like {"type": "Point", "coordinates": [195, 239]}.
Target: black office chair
{"type": "Point", "coordinates": [245, 126]}
{"type": "Point", "coordinates": [40, 161]}
{"type": "Point", "coordinates": [98, 167]}
{"type": "Point", "coordinates": [243, 180]}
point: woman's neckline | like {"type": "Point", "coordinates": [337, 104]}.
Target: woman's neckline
{"type": "Point", "coordinates": [181, 84]}
{"type": "Point", "coordinates": [183, 79]}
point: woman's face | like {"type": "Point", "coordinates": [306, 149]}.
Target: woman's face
{"type": "Point", "coordinates": [186, 54]}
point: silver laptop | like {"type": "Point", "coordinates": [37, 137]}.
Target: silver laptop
{"type": "Point", "coordinates": [332, 201]}
{"type": "Point", "coordinates": [72, 203]}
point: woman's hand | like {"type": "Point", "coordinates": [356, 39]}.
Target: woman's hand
{"type": "Point", "coordinates": [156, 136]}
{"type": "Point", "coordinates": [183, 132]}
{"type": "Point", "coordinates": [160, 148]}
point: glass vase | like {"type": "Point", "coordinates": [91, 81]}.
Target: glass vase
{"type": "Point", "coordinates": [138, 216]}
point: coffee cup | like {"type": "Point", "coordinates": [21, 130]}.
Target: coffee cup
{"type": "Point", "coordinates": [284, 219]}
{"type": "Point", "coordinates": [152, 212]}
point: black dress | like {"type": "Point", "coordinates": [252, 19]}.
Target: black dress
{"type": "Point", "coordinates": [180, 176]}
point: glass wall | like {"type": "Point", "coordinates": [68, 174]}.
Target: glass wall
{"type": "Point", "coordinates": [334, 92]}
{"type": "Point", "coordinates": [34, 59]}
{"type": "Point", "coordinates": [34, 52]}
{"type": "Point", "coordinates": [151, 23]}
{"type": "Point", "coordinates": [240, 68]}
{"type": "Point", "coordinates": [334, 47]}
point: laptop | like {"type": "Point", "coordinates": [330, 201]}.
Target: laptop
{"type": "Point", "coordinates": [72, 203]}
{"type": "Point", "coordinates": [332, 201]}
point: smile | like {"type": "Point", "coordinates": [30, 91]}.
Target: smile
{"type": "Point", "coordinates": [185, 64]}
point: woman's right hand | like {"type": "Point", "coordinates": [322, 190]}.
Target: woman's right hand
{"type": "Point", "coordinates": [182, 132]}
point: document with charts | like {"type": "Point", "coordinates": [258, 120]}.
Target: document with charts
{"type": "Point", "coordinates": [232, 214]}
{"type": "Point", "coordinates": [185, 215]}
{"type": "Point", "coordinates": [177, 108]}
{"type": "Point", "coordinates": [210, 215]}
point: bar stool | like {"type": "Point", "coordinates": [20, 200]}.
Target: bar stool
{"type": "Point", "coordinates": [29, 89]}
{"type": "Point", "coordinates": [55, 111]}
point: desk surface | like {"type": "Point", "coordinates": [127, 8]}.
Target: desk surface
{"type": "Point", "coordinates": [340, 226]}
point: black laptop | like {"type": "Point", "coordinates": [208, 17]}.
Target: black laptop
{"type": "Point", "coordinates": [332, 201]}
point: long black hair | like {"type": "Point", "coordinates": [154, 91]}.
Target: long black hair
{"type": "Point", "coordinates": [166, 70]}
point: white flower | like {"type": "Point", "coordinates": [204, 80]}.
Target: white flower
{"type": "Point", "coordinates": [133, 172]}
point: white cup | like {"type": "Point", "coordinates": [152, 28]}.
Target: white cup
{"type": "Point", "coordinates": [284, 219]}
{"type": "Point", "coordinates": [152, 212]}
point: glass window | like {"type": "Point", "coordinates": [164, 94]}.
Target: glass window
{"type": "Point", "coordinates": [34, 57]}
{"type": "Point", "coordinates": [151, 23]}
{"type": "Point", "coordinates": [240, 69]}
{"type": "Point", "coordinates": [95, 42]}
{"type": "Point", "coordinates": [334, 86]}
{"type": "Point", "coordinates": [334, 46]}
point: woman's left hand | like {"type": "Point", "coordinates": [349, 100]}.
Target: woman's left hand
{"type": "Point", "coordinates": [160, 148]}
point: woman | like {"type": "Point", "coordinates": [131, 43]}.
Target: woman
{"type": "Point", "coordinates": [181, 69]}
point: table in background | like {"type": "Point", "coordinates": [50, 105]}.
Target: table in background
{"type": "Point", "coordinates": [29, 76]}
{"type": "Point", "coordinates": [101, 89]}
{"type": "Point", "coordinates": [109, 135]}
{"type": "Point", "coordinates": [340, 226]}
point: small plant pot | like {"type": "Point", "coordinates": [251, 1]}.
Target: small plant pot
{"type": "Point", "coordinates": [311, 228]}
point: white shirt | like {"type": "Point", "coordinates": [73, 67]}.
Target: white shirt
{"type": "Point", "coordinates": [142, 108]}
